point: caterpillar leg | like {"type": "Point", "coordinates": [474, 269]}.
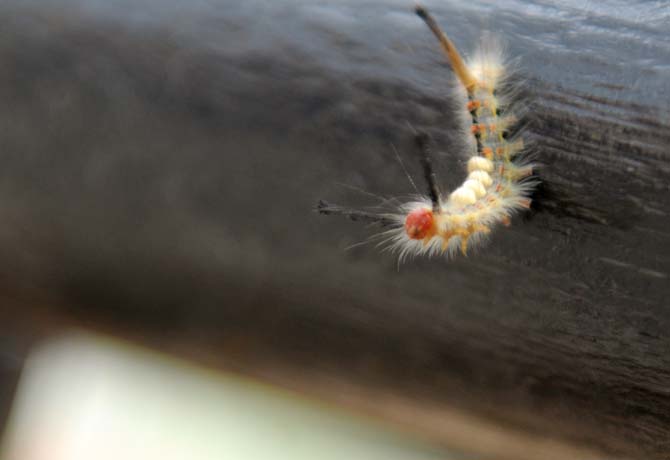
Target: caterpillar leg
{"type": "Point", "coordinates": [445, 241]}
{"type": "Point", "coordinates": [466, 233]}
{"type": "Point", "coordinates": [480, 228]}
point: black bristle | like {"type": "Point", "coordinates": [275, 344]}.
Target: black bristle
{"type": "Point", "coordinates": [329, 209]}
{"type": "Point", "coordinates": [422, 141]}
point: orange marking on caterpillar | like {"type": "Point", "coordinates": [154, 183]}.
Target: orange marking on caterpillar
{"type": "Point", "coordinates": [473, 105]}
{"type": "Point", "coordinates": [488, 153]}
{"type": "Point", "coordinates": [501, 170]}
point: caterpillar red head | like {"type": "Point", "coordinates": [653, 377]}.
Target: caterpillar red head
{"type": "Point", "coordinates": [420, 224]}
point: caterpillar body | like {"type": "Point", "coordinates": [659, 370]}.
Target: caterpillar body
{"type": "Point", "coordinates": [498, 183]}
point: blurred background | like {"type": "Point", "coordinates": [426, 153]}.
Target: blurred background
{"type": "Point", "coordinates": [161, 161]}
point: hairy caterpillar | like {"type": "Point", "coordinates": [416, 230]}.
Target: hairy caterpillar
{"type": "Point", "coordinates": [498, 182]}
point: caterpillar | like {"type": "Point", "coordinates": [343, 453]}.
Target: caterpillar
{"type": "Point", "coordinates": [499, 180]}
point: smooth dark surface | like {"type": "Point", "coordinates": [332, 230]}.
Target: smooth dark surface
{"type": "Point", "coordinates": [161, 163]}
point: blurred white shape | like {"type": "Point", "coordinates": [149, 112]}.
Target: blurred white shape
{"type": "Point", "coordinates": [82, 398]}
